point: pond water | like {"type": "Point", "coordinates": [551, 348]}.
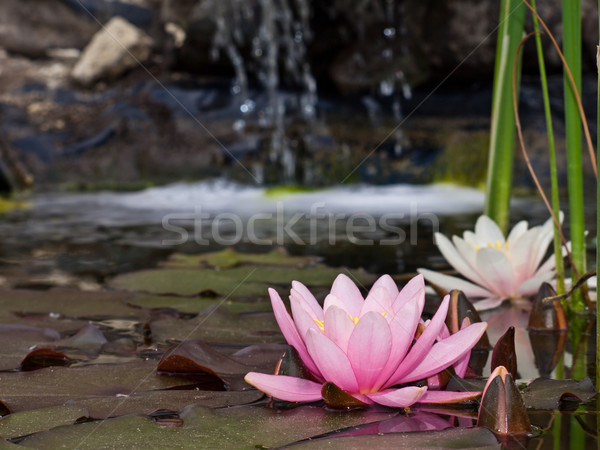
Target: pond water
{"type": "Point", "coordinates": [67, 259]}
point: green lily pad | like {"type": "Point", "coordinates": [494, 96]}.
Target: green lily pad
{"type": "Point", "coordinates": [148, 402]}
{"type": "Point", "coordinates": [237, 281]}
{"type": "Point", "coordinates": [219, 326]}
{"type": "Point", "coordinates": [229, 257]}
{"type": "Point", "coordinates": [70, 303]}
{"type": "Point", "coordinates": [196, 304]}
{"type": "Point", "coordinates": [243, 427]}
{"type": "Point", "coordinates": [53, 386]}
{"type": "Point", "coordinates": [32, 421]}
{"type": "Point", "coordinates": [480, 438]}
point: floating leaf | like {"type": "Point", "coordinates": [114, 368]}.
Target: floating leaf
{"type": "Point", "coordinates": [55, 385]}
{"type": "Point", "coordinates": [44, 357]}
{"type": "Point", "coordinates": [228, 258]}
{"type": "Point", "coordinates": [243, 427]}
{"type": "Point", "coordinates": [548, 394]}
{"type": "Point", "coordinates": [32, 421]}
{"type": "Point", "coordinates": [17, 340]}
{"type": "Point", "coordinates": [197, 304]}
{"type": "Point", "coordinates": [237, 281]}
{"type": "Point", "coordinates": [149, 401]}
{"type": "Point", "coordinates": [219, 325]}
{"type": "Point", "coordinates": [451, 438]}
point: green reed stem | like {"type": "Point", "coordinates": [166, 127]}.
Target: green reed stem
{"type": "Point", "coordinates": [502, 139]}
{"type": "Point", "coordinates": [560, 271]}
{"type": "Point", "coordinates": [598, 220]}
{"type": "Point", "coordinates": [571, 13]}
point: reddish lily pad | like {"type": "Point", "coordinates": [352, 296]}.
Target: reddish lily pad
{"type": "Point", "coordinates": [44, 357]}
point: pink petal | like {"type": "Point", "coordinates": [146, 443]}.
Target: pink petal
{"type": "Point", "coordinates": [422, 345]}
{"type": "Point", "coordinates": [414, 290]}
{"type": "Point", "coordinates": [369, 349]}
{"type": "Point", "coordinates": [345, 289]}
{"type": "Point", "coordinates": [286, 388]}
{"type": "Point", "coordinates": [290, 332]}
{"type": "Point", "coordinates": [378, 300]}
{"type": "Point", "coordinates": [398, 398]}
{"type": "Point", "coordinates": [445, 353]}
{"type": "Point", "coordinates": [331, 361]}
{"type": "Point", "coordinates": [497, 270]}
{"type": "Point", "coordinates": [403, 327]}
{"type": "Point", "coordinates": [447, 282]}
{"type": "Point", "coordinates": [302, 315]}
{"type": "Point", "coordinates": [461, 366]}
{"type": "Point", "coordinates": [338, 326]}
{"type": "Point", "coordinates": [387, 282]}
{"type": "Point", "coordinates": [448, 397]}
{"type": "Point", "coordinates": [310, 299]}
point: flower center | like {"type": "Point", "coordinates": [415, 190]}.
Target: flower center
{"type": "Point", "coordinates": [321, 323]}
{"type": "Point", "coordinates": [497, 245]}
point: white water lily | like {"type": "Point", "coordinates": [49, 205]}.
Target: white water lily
{"type": "Point", "coordinates": [498, 268]}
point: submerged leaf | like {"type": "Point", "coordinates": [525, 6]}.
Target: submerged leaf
{"type": "Point", "coordinates": [548, 394]}
{"type": "Point", "coordinates": [44, 357]}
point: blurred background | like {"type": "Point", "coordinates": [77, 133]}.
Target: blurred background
{"type": "Point", "coordinates": [121, 95]}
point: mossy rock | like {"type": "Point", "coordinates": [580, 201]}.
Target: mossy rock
{"type": "Point", "coordinates": [464, 160]}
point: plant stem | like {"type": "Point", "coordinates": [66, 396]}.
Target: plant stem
{"type": "Point", "coordinates": [560, 271]}
{"type": "Point", "coordinates": [502, 133]}
{"type": "Point", "coordinates": [571, 13]}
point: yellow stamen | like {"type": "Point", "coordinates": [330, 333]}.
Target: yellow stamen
{"type": "Point", "coordinates": [321, 324]}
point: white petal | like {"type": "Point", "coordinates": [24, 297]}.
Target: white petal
{"type": "Point", "coordinates": [456, 259]}
{"type": "Point", "coordinates": [488, 231]}
{"type": "Point", "coordinates": [497, 270]}
{"type": "Point", "coordinates": [516, 232]}
{"type": "Point", "coordinates": [448, 282]}
{"type": "Point", "coordinates": [532, 286]}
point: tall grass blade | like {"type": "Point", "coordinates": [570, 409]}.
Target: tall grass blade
{"type": "Point", "coordinates": [571, 13]}
{"type": "Point", "coordinates": [560, 272]}
{"type": "Point", "coordinates": [502, 139]}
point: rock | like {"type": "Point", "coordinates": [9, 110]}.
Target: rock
{"type": "Point", "coordinates": [115, 49]}
{"type": "Point", "coordinates": [32, 27]}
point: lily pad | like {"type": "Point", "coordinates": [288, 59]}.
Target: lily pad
{"type": "Point", "coordinates": [229, 257]}
{"type": "Point", "coordinates": [148, 402]}
{"type": "Point", "coordinates": [70, 303]}
{"type": "Point", "coordinates": [243, 427]}
{"type": "Point", "coordinates": [545, 393]}
{"type": "Point", "coordinates": [54, 386]}
{"type": "Point", "coordinates": [17, 340]}
{"type": "Point", "coordinates": [480, 438]}
{"type": "Point", "coordinates": [237, 281]}
{"type": "Point", "coordinates": [197, 304]}
{"type": "Point", "coordinates": [32, 421]}
{"type": "Point", "coordinates": [219, 325]}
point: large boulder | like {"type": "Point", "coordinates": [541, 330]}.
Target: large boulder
{"type": "Point", "coordinates": [33, 27]}
{"type": "Point", "coordinates": [118, 47]}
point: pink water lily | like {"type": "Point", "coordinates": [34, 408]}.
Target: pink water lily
{"type": "Point", "coordinates": [498, 269]}
{"type": "Point", "coordinates": [367, 347]}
